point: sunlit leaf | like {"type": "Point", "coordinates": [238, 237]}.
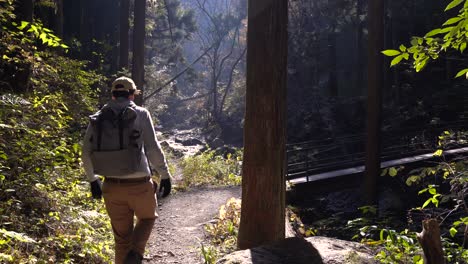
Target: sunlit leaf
{"type": "Point", "coordinates": [461, 73]}
{"type": "Point", "coordinates": [396, 60]}
{"type": "Point", "coordinates": [452, 20]}
{"type": "Point", "coordinates": [427, 202]}
{"type": "Point", "coordinates": [438, 153]}
{"type": "Point", "coordinates": [433, 32]}
{"type": "Point", "coordinates": [392, 172]}
{"type": "Point", "coordinates": [453, 231]}
{"type": "Point", "coordinates": [391, 52]}
{"type": "Point", "coordinates": [453, 4]}
{"type": "Point", "coordinates": [23, 25]}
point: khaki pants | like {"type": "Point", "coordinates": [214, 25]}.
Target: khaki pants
{"type": "Point", "coordinates": [123, 202]}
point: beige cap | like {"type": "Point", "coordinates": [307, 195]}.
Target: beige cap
{"type": "Point", "coordinates": [124, 84]}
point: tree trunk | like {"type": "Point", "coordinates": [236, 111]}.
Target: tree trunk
{"type": "Point", "coordinates": [85, 32]}
{"type": "Point", "coordinates": [359, 49]}
{"type": "Point", "coordinates": [430, 241]}
{"type": "Point", "coordinates": [374, 94]}
{"type": "Point", "coordinates": [124, 28]}
{"type": "Point", "coordinates": [263, 183]}
{"type": "Point", "coordinates": [138, 69]}
{"type": "Point", "coordinates": [59, 19]}
{"type": "Point", "coordinates": [25, 10]}
{"type": "Point", "coordinates": [332, 78]}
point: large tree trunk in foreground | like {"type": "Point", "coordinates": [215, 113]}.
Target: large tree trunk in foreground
{"type": "Point", "coordinates": [374, 94]}
{"type": "Point", "coordinates": [124, 28]}
{"type": "Point", "coordinates": [138, 62]}
{"type": "Point", "coordinates": [263, 183]}
{"type": "Point", "coordinates": [430, 241]}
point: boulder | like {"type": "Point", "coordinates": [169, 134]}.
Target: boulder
{"type": "Point", "coordinates": [216, 143]}
{"type": "Point", "coordinates": [188, 141]}
{"type": "Point", "coordinates": [312, 250]}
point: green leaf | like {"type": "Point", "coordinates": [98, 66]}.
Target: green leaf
{"type": "Point", "coordinates": [432, 191]}
{"type": "Point", "coordinates": [412, 179]}
{"type": "Point", "coordinates": [384, 172]}
{"type": "Point", "coordinates": [396, 60]}
{"type": "Point", "coordinates": [427, 202]}
{"type": "Point", "coordinates": [422, 191]}
{"type": "Point", "coordinates": [382, 232]}
{"type": "Point", "coordinates": [453, 231]}
{"type": "Point", "coordinates": [462, 72]}
{"type": "Point", "coordinates": [391, 53]}
{"type": "Point", "coordinates": [452, 20]}
{"type": "Point", "coordinates": [453, 4]}
{"type": "Point", "coordinates": [432, 32]}
{"type": "Point", "coordinates": [23, 25]}
{"type": "Point", "coordinates": [392, 172]}
{"type": "Point", "coordinates": [402, 48]}
{"type": "Point", "coordinates": [438, 153]}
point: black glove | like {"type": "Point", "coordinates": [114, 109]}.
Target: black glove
{"type": "Point", "coordinates": [165, 188]}
{"type": "Point", "coordinates": [96, 189]}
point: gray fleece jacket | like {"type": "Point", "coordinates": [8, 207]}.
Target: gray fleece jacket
{"type": "Point", "coordinates": [151, 149]}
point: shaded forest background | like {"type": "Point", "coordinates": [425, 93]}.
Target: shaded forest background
{"type": "Point", "coordinates": [59, 57]}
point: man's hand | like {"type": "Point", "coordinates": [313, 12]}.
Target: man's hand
{"type": "Point", "coordinates": [96, 189]}
{"type": "Point", "coordinates": [165, 188]}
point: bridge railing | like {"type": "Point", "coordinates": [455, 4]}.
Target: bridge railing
{"type": "Point", "coordinates": [317, 156]}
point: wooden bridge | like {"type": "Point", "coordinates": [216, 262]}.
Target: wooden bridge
{"type": "Point", "coordinates": [341, 160]}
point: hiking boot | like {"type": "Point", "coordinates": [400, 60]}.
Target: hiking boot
{"type": "Point", "coordinates": [133, 258]}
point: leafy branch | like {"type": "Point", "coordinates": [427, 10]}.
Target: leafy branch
{"type": "Point", "coordinates": [451, 35]}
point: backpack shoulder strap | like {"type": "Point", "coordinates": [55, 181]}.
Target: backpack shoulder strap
{"type": "Point", "coordinates": [104, 114]}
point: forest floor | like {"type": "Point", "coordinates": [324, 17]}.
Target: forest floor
{"type": "Point", "coordinates": [179, 230]}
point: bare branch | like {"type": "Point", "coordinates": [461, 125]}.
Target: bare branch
{"type": "Point", "coordinates": [177, 75]}
{"type": "Point", "coordinates": [228, 86]}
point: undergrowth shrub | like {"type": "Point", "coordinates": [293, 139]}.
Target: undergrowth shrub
{"type": "Point", "coordinates": [208, 168]}
{"type": "Point", "coordinates": [222, 231]}
{"type": "Point", "coordinates": [46, 211]}
{"type": "Point", "coordinates": [441, 195]}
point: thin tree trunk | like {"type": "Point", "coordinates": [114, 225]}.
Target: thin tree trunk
{"type": "Point", "coordinates": [214, 85]}
{"type": "Point", "coordinates": [138, 69]}
{"type": "Point", "coordinates": [359, 49]}
{"type": "Point", "coordinates": [263, 183]}
{"type": "Point", "coordinates": [85, 34]}
{"type": "Point", "coordinates": [332, 78]}
{"type": "Point", "coordinates": [430, 241]}
{"type": "Point", "coordinates": [374, 94]}
{"type": "Point", "coordinates": [59, 19]}
{"type": "Point", "coordinates": [124, 28]}
{"type": "Point", "coordinates": [229, 84]}
{"type": "Point", "coordinates": [25, 10]}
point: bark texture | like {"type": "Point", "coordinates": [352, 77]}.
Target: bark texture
{"type": "Point", "coordinates": [430, 241]}
{"type": "Point", "coordinates": [124, 28]}
{"type": "Point", "coordinates": [374, 94]}
{"type": "Point", "coordinates": [138, 62]}
{"type": "Point", "coordinates": [263, 183]}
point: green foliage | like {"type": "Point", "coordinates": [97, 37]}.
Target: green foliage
{"type": "Point", "coordinates": [46, 35]}
{"type": "Point", "coordinates": [47, 213]}
{"type": "Point", "coordinates": [223, 232]}
{"type": "Point", "coordinates": [444, 201]}
{"type": "Point", "coordinates": [209, 254]}
{"type": "Point", "coordinates": [399, 247]}
{"type": "Point", "coordinates": [450, 36]}
{"type": "Point", "coordinates": [208, 168]}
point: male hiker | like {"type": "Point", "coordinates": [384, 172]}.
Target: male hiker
{"type": "Point", "coordinates": [119, 141]}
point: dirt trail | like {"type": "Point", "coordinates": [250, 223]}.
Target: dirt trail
{"type": "Point", "coordinates": [179, 229]}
